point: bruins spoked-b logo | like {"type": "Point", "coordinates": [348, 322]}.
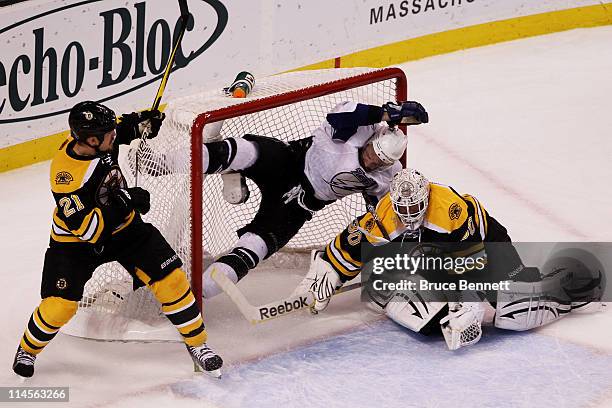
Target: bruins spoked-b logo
{"type": "Point", "coordinates": [113, 181]}
{"type": "Point", "coordinates": [61, 284]}
{"type": "Point", "coordinates": [454, 211]}
{"type": "Point", "coordinates": [369, 225]}
{"type": "Point", "coordinates": [63, 177]}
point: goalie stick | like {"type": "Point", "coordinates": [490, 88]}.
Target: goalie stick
{"type": "Point", "coordinates": [263, 313]}
{"type": "Point", "coordinates": [269, 311]}
{"type": "Point", "coordinates": [162, 86]}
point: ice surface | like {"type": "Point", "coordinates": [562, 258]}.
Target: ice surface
{"type": "Point", "coordinates": [524, 126]}
{"type": "Point", "coordinates": [385, 365]}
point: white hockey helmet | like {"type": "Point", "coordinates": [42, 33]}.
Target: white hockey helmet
{"type": "Point", "coordinates": [389, 144]}
{"type": "Point", "coordinates": [409, 191]}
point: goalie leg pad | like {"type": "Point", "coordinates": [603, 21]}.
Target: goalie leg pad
{"type": "Point", "coordinates": [584, 280]}
{"type": "Point", "coordinates": [410, 310]}
{"type": "Point", "coordinates": [526, 305]}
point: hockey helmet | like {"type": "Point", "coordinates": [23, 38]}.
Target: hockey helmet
{"type": "Point", "coordinates": [90, 118]}
{"type": "Point", "coordinates": [409, 193]}
{"type": "Point", "coordinates": [389, 144]}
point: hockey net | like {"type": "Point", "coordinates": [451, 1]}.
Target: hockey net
{"type": "Point", "coordinates": [188, 207]}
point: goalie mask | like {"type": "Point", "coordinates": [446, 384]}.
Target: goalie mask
{"type": "Point", "coordinates": [89, 119]}
{"type": "Point", "coordinates": [389, 144]}
{"type": "Point", "coordinates": [409, 193]}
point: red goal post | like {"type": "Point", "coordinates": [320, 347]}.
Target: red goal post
{"type": "Point", "coordinates": [188, 208]}
{"type": "Point", "coordinates": [257, 105]}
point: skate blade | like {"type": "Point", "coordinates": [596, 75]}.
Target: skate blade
{"type": "Point", "coordinates": [22, 380]}
{"type": "Point", "coordinates": [214, 373]}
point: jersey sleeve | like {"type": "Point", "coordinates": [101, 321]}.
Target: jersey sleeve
{"type": "Point", "coordinates": [356, 244]}
{"type": "Point", "coordinates": [73, 218]}
{"type": "Point", "coordinates": [347, 116]}
{"type": "Point", "coordinates": [344, 252]}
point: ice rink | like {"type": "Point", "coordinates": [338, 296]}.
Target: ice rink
{"type": "Point", "coordinates": [524, 126]}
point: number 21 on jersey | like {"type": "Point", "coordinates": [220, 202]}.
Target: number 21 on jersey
{"type": "Point", "coordinates": [67, 204]}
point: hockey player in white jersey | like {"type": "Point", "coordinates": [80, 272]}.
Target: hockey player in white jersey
{"type": "Point", "coordinates": [434, 215]}
{"type": "Point", "coordinates": [350, 152]}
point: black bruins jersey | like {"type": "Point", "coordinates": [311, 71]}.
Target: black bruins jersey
{"type": "Point", "coordinates": [450, 218]}
{"type": "Point", "coordinates": [81, 187]}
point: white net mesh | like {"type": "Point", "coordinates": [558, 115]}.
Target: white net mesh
{"type": "Point", "coordinates": [164, 170]}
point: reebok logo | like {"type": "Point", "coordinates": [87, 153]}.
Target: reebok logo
{"type": "Point", "coordinates": [282, 308]}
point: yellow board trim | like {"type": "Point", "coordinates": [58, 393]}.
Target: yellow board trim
{"type": "Point", "coordinates": [33, 151]}
{"type": "Point", "coordinates": [42, 149]}
{"type": "Point", "coordinates": [474, 36]}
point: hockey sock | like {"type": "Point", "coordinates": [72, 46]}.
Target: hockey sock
{"type": "Point", "coordinates": [232, 153]}
{"type": "Point", "coordinates": [179, 306]}
{"type": "Point", "coordinates": [217, 156]}
{"type": "Point", "coordinates": [249, 249]}
{"type": "Point", "coordinates": [45, 322]}
{"type": "Point", "coordinates": [246, 155]}
{"type": "Point", "coordinates": [241, 260]}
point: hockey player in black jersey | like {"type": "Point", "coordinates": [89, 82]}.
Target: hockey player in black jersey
{"type": "Point", "coordinates": [97, 220]}
{"type": "Point", "coordinates": [435, 215]}
{"type": "Point", "coordinates": [350, 152]}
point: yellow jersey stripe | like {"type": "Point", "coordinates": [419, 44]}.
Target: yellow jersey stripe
{"type": "Point", "coordinates": [86, 224]}
{"type": "Point", "coordinates": [345, 255]}
{"type": "Point", "coordinates": [336, 264]}
{"type": "Point", "coordinates": [126, 223]}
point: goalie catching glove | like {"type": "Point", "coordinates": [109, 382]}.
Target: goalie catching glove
{"type": "Point", "coordinates": [463, 325]}
{"type": "Point", "coordinates": [406, 113]}
{"type": "Point", "coordinates": [135, 125]}
{"type": "Point", "coordinates": [320, 283]}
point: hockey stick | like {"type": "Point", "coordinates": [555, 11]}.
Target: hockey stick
{"type": "Point", "coordinates": [269, 311]}
{"type": "Point", "coordinates": [162, 86]}
{"type": "Point", "coordinates": [372, 210]}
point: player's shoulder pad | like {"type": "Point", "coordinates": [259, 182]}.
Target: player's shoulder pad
{"type": "Point", "coordinates": [447, 210]}
{"type": "Point", "coordinates": [68, 174]}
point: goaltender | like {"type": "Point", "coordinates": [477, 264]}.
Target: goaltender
{"type": "Point", "coordinates": [436, 216]}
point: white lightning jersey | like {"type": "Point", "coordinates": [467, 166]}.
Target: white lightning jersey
{"type": "Point", "coordinates": [333, 168]}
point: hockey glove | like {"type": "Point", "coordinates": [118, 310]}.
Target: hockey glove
{"type": "Point", "coordinates": [406, 113]}
{"type": "Point", "coordinates": [134, 198]}
{"type": "Point", "coordinates": [139, 124]}
{"type": "Point", "coordinates": [321, 282]}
